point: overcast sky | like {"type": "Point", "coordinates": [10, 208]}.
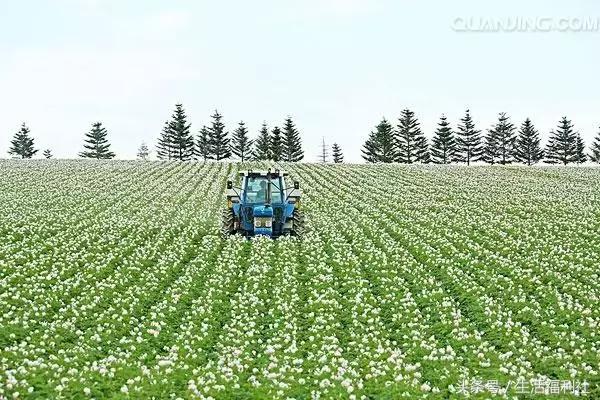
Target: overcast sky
{"type": "Point", "coordinates": [336, 66]}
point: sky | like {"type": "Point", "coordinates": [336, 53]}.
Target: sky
{"type": "Point", "coordinates": [337, 67]}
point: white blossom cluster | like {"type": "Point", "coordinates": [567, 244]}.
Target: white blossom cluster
{"type": "Point", "coordinates": [115, 282]}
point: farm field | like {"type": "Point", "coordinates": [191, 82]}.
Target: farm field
{"type": "Point", "coordinates": [411, 281]}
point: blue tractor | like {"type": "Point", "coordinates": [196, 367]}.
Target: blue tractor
{"type": "Point", "coordinates": [263, 205]}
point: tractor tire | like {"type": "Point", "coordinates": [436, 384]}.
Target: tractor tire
{"type": "Point", "coordinates": [298, 225]}
{"type": "Point", "coordinates": [228, 223]}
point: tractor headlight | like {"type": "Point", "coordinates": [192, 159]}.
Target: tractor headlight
{"type": "Point", "coordinates": [262, 222]}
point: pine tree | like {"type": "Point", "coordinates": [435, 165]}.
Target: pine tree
{"type": "Point", "coordinates": [292, 144]}
{"type": "Point", "coordinates": [562, 145]}
{"type": "Point", "coordinates": [527, 147]}
{"type": "Point", "coordinates": [164, 148]}
{"type": "Point", "coordinates": [338, 157]}
{"type": "Point", "coordinates": [491, 149]}
{"type": "Point", "coordinates": [580, 156]}
{"type": "Point", "coordinates": [203, 145]}
{"type": "Point", "coordinates": [47, 154]}
{"type": "Point", "coordinates": [262, 145]}
{"type": "Point", "coordinates": [468, 141]}
{"type": "Point", "coordinates": [218, 138]}
{"type": "Point", "coordinates": [22, 144]}
{"type": "Point", "coordinates": [443, 148]}
{"type": "Point", "coordinates": [143, 151]}
{"type": "Point", "coordinates": [595, 155]}
{"type": "Point", "coordinates": [96, 144]}
{"type": "Point", "coordinates": [276, 151]}
{"type": "Point", "coordinates": [411, 142]}
{"type": "Point", "coordinates": [241, 143]}
{"type": "Point", "coordinates": [182, 141]}
{"type": "Point", "coordinates": [380, 146]}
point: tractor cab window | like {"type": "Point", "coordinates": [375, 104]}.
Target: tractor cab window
{"type": "Point", "coordinates": [256, 190]}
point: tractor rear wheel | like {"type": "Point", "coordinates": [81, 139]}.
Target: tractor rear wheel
{"type": "Point", "coordinates": [298, 223]}
{"type": "Point", "coordinates": [228, 222]}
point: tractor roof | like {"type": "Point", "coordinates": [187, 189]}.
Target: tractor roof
{"type": "Point", "coordinates": [274, 172]}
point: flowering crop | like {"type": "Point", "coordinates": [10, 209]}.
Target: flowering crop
{"type": "Point", "coordinates": [409, 282]}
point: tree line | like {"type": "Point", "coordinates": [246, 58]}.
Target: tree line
{"type": "Point", "coordinates": [176, 142]}
{"type": "Point", "coordinates": [503, 143]}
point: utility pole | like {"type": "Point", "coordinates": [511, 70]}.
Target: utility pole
{"type": "Point", "coordinates": [324, 152]}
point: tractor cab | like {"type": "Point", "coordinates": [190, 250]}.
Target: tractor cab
{"type": "Point", "coordinates": [263, 205]}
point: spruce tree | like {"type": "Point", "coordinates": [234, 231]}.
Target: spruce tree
{"type": "Point", "coordinates": [595, 154]}
{"type": "Point", "coordinates": [182, 141]}
{"type": "Point", "coordinates": [506, 134]}
{"type": "Point", "coordinates": [562, 145]}
{"type": "Point", "coordinates": [380, 146]}
{"type": "Point", "coordinates": [527, 146]}
{"type": "Point", "coordinates": [491, 149]}
{"type": "Point", "coordinates": [203, 145]}
{"type": "Point", "coordinates": [47, 154]}
{"type": "Point", "coordinates": [292, 144]}
{"type": "Point", "coordinates": [96, 144]}
{"type": "Point", "coordinates": [276, 151]}
{"type": "Point", "coordinates": [411, 142]}
{"type": "Point", "coordinates": [262, 145]}
{"type": "Point", "coordinates": [468, 140]}
{"type": "Point", "coordinates": [338, 157]}
{"type": "Point", "coordinates": [443, 148]}
{"type": "Point", "coordinates": [580, 156]}
{"type": "Point", "coordinates": [143, 151]}
{"type": "Point", "coordinates": [218, 138]}
{"type": "Point", "coordinates": [241, 143]}
{"type": "Point", "coordinates": [22, 144]}
{"type": "Point", "coordinates": [164, 148]}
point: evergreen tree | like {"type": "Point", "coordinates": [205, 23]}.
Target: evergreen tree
{"type": "Point", "coordinates": [96, 144]}
{"type": "Point", "coordinates": [276, 152]}
{"type": "Point", "coordinates": [595, 155]}
{"type": "Point", "coordinates": [47, 154]}
{"type": "Point", "coordinates": [562, 145]}
{"type": "Point", "coordinates": [182, 141]}
{"type": "Point", "coordinates": [506, 136]}
{"type": "Point", "coordinates": [468, 141]}
{"type": "Point", "coordinates": [292, 144]}
{"type": "Point", "coordinates": [491, 149]}
{"type": "Point", "coordinates": [443, 148]}
{"type": "Point", "coordinates": [22, 143]}
{"type": "Point", "coordinates": [527, 146]}
{"type": "Point", "coordinates": [380, 146]}
{"type": "Point", "coordinates": [164, 148]}
{"type": "Point", "coordinates": [203, 145]}
{"type": "Point", "coordinates": [240, 143]}
{"type": "Point", "coordinates": [143, 151]}
{"type": "Point", "coordinates": [262, 145]}
{"type": "Point", "coordinates": [580, 156]}
{"type": "Point", "coordinates": [338, 157]}
{"type": "Point", "coordinates": [218, 138]}
{"type": "Point", "coordinates": [412, 144]}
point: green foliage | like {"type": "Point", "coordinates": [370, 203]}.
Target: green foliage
{"type": "Point", "coordinates": [262, 145]}
{"type": "Point", "coordinates": [22, 144]}
{"type": "Point", "coordinates": [380, 146]}
{"type": "Point", "coordinates": [527, 147]}
{"type": "Point", "coordinates": [96, 143]}
{"type": "Point", "coordinates": [443, 148]}
{"type": "Point", "coordinates": [338, 156]}
{"type": "Point", "coordinates": [218, 138]}
{"type": "Point", "coordinates": [468, 140]}
{"type": "Point", "coordinates": [241, 144]}
{"type": "Point", "coordinates": [291, 142]}
{"type": "Point", "coordinates": [562, 146]}
{"type": "Point", "coordinates": [411, 142]}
